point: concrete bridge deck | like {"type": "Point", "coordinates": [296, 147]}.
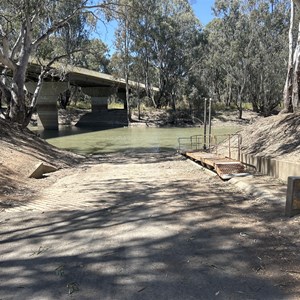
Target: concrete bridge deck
{"type": "Point", "coordinates": [99, 86]}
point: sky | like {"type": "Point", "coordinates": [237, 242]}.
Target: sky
{"type": "Point", "coordinates": [202, 9]}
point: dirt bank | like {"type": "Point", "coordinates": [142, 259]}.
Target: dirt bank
{"type": "Point", "coordinates": [275, 137]}
{"type": "Point", "coordinates": [20, 152]}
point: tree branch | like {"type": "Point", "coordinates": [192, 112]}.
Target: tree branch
{"type": "Point", "coordinates": [16, 46]}
{"type": "Point", "coordinates": [297, 2]}
{"type": "Point", "coordinates": [63, 22]}
{"type": "Point", "coordinates": [7, 62]}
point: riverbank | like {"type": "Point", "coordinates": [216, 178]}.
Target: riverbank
{"type": "Point", "coordinates": [20, 152]}
{"type": "Point", "coordinates": [151, 117]}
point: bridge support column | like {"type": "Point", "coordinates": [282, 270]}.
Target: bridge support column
{"type": "Point", "coordinates": [47, 102]}
{"type": "Point", "coordinates": [100, 96]}
{"type": "Point", "coordinates": [122, 96]}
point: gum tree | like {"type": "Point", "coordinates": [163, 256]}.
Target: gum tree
{"type": "Point", "coordinates": [291, 91]}
{"type": "Point", "coordinates": [246, 48]}
{"type": "Point", "coordinates": [29, 29]}
{"type": "Point", "coordinates": [163, 37]}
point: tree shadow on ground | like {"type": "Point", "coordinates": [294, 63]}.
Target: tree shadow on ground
{"type": "Point", "coordinates": [148, 240]}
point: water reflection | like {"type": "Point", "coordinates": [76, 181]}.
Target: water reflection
{"type": "Point", "coordinates": [65, 130]}
{"type": "Point", "coordinates": [107, 140]}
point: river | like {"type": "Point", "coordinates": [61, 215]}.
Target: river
{"type": "Point", "coordinates": [87, 141]}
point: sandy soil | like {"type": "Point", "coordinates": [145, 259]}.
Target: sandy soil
{"type": "Point", "coordinates": [275, 136]}
{"type": "Point", "coordinates": [20, 152]}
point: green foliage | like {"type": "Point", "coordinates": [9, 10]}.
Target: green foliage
{"type": "Point", "coordinates": [93, 56]}
{"type": "Point", "coordinates": [44, 31]}
{"type": "Point", "coordinates": [221, 106]}
{"type": "Point", "coordinates": [115, 104]}
{"type": "Point", "coordinates": [237, 59]}
{"type": "Point", "coordinates": [247, 46]}
{"type": "Point", "coordinates": [163, 44]}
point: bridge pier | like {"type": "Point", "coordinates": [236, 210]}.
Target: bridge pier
{"type": "Point", "coordinates": [122, 96]}
{"type": "Point", "coordinates": [101, 116]}
{"type": "Point", "coordinates": [99, 97]}
{"type": "Point", "coordinates": [47, 102]}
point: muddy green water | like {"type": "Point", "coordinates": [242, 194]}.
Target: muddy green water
{"type": "Point", "coordinates": [84, 141]}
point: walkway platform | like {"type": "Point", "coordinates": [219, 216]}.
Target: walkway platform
{"type": "Point", "coordinates": [225, 167]}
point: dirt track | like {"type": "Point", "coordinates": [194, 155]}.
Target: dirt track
{"type": "Point", "coordinates": [147, 226]}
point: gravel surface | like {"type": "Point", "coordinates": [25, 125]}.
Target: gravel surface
{"type": "Point", "coordinates": [146, 226]}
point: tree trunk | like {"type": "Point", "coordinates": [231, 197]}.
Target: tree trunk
{"type": "Point", "coordinates": [240, 107]}
{"type": "Point", "coordinates": [239, 100]}
{"type": "Point", "coordinates": [139, 107]}
{"type": "Point", "coordinates": [127, 97]}
{"type": "Point", "coordinates": [228, 100]}
{"type": "Point", "coordinates": [18, 111]}
{"type": "Point", "coordinates": [296, 73]}
{"type": "Point", "coordinates": [173, 101]}
{"type": "Point", "coordinates": [126, 64]}
{"type": "Point", "coordinates": [287, 92]}
{"type": "Point", "coordinates": [254, 105]}
{"type": "Point", "coordinates": [149, 92]}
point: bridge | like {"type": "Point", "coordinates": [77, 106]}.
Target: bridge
{"type": "Point", "coordinates": [99, 86]}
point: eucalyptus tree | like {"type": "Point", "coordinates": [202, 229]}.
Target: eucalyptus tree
{"type": "Point", "coordinates": [142, 23]}
{"type": "Point", "coordinates": [291, 91]}
{"type": "Point", "coordinates": [161, 36]}
{"type": "Point", "coordinates": [217, 81]}
{"type": "Point", "coordinates": [247, 45]}
{"type": "Point", "coordinates": [94, 57]}
{"type": "Point", "coordinates": [174, 38]}
{"type": "Point", "coordinates": [123, 41]}
{"type": "Point", "coordinates": [268, 22]}
{"type": "Point", "coordinates": [232, 36]}
{"type": "Point", "coordinates": [29, 29]}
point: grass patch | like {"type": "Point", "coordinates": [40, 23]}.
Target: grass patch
{"type": "Point", "coordinates": [81, 105]}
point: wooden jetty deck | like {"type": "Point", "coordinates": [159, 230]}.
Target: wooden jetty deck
{"type": "Point", "coordinates": [225, 167]}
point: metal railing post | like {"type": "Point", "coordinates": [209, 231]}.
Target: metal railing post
{"type": "Point", "coordinates": [229, 146]}
{"type": "Point", "coordinates": [239, 146]}
{"type": "Point", "coordinates": [209, 122]}
{"type": "Point", "coordinates": [204, 121]}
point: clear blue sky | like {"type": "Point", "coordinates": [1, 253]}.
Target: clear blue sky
{"type": "Point", "coordinates": [202, 9]}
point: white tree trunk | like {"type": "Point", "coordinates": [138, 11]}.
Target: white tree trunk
{"type": "Point", "coordinates": [287, 92]}
{"type": "Point", "coordinates": [296, 73]}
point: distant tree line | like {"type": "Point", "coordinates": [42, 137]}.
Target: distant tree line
{"type": "Point", "coordinates": [247, 54]}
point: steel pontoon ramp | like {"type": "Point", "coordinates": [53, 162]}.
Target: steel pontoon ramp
{"type": "Point", "coordinates": [225, 167]}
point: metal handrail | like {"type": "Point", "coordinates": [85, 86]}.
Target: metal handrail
{"type": "Point", "coordinates": [198, 142]}
{"type": "Point", "coordinates": [195, 142]}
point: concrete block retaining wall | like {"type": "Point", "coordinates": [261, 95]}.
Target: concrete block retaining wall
{"type": "Point", "coordinates": [273, 167]}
